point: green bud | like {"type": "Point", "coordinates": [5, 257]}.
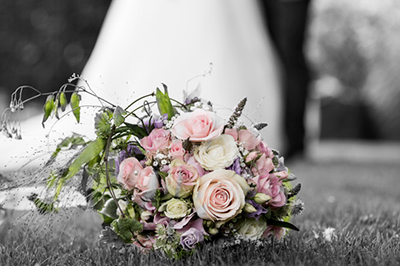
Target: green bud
{"type": "Point", "coordinates": [209, 223]}
{"type": "Point", "coordinates": [48, 108]}
{"type": "Point", "coordinates": [249, 208]}
{"type": "Point", "coordinates": [261, 198]}
{"type": "Point", "coordinates": [145, 215]}
{"type": "Point", "coordinates": [76, 110]}
{"type": "Point", "coordinates": [63, 101]}
{"type": "Point", "coordinates": [213, 231]}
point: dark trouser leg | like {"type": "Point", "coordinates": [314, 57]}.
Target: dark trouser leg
{"type": "Point", "coordinates": [287, 21]}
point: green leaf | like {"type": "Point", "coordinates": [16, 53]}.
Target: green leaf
{"type": "Point", "coordinates": [134, 130]}
{"type": "Point", "coordinates": [110, 209]}
{"type": "Point", "coordinates": [118, 116]}
{"type": "Point", "coordinates": [63, 101]}
{"type": "Point", "coordinates": [282, 224]}
{"type": "Point", "coordinates": [48, 108]}
{"type": "Point", "coordinates": [91, 151]}
{"type": "Point", "coordinates": [70, 142]}
{"type": "Point", "coordinates": [102, 124]}
{"type": "Point", "coordinates": [164, 103]}
{"type": "Point", "coordinates": [43, 207]}
{"type": "Point", "coordinates": [125, 227]}
{"type": "Point", "coordinates": [55, 109]}
{"type": "Point", "coordinates": [76, 110]}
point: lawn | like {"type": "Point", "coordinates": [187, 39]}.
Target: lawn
{"type": "Point", "coordinates": [360, 201]}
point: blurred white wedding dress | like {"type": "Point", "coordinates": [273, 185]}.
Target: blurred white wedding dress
{"type": "Point", "coordinates": [144, 43]}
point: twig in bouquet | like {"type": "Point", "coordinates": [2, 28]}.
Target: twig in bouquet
{"type": "Point", "coordinates": [109, 185]}
{"type": "Point", "coordinates": [138, 99]}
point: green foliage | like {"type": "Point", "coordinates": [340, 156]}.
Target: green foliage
{"type": "Point", "coordinates": [92, 150]}
{"type": "Point", "coordinates": [76, 110]}
{"type": "Point", "coordinates": [48, 108]}
{"type": "Point", "coordinates": [110, 209]}
{"type": "Point", "coordinates": [282, 224]}
{"type": "Point", "coordinates": [69, 143]}
{"type": "Point", "coordinates": [102, 123]}
{"type": "Point", "coordinates": [132, 129]}
{"type": "Point", "coordinates": [63, 101]}
{"type": "Point", "coordinates": [164, 102]}
{"type": "Point", "coordinates": [42, 207]}
{"type": "Point", "coordinates": [118, 116]}
{"type": "Point", "coordinates": [125, 227]}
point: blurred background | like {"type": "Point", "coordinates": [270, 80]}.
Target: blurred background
{"type": "Point", "coordinates": [352, 48]}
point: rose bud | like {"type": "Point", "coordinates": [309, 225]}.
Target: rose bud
{"type": "Point", "coordinates": [249, 208]}
{"type": "Point", "coordinates": [261, 198]}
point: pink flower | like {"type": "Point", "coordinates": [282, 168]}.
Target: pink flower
{"type": "Point", "coordinates": [191, 238]}
{"type": "Point", "coordinates": [129, 171]}
{"type": "Point", "coordinates": [176, 150]}
{"type": "Point", "coordinates": [251, 156]}
{"type": "Point", "coordinates": [263, 166]}
{"type": "Point", "coordinates": [147, 184]}
{"type": "Point", "coordinates": [146, 242]}
{"type": "Point", "coordinates": [220, 195]}
{"type": "Point", "coordinates": [249, 139]}
{"type": "Point", "coordinates": [271, 186]}
{"type": "Point", "coordinates": [199, 125]}
{"type": "Point", "coordinates": [192, 161]}
{"type": "Point", "coordinates": [233, 132]}
{"type": "Point", "coordinates": [157, 140]}
{"type": "Point", "coordinates": [263, 148]}
{"type": "Point", "coordinates": [181, 179]}
{"type": "Point", "coordinates": [275, 231]}
{"type": "Point", "coordinates": [193, 233]}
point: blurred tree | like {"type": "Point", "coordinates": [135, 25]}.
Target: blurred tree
{"type": "Point", "coordinates": [43, 42]}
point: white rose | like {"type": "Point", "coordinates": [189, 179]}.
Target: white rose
{"type": "Point", "coordinates": [175, 209]}
{"type": "Point", "coordinates": [252, 229]}
{"type": "Point", "coordinates": [218, 153]}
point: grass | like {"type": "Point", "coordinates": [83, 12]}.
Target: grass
{"type": "Point", "coordinates": [360, 201]}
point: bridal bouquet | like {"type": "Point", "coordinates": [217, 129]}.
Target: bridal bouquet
{"type": "Point", "coordinates": [174, 179]}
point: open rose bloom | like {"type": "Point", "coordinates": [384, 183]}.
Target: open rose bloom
{"type": "Point", "coordinates": [191, 177]}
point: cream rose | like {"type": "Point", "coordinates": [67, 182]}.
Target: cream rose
{"type": "Point", "coordinates": [218, 153]}
{"type": "Point", "coordinates": [175, 209]}
{"type": "Point", "coordinates": [252, 229]}
{"type": "Point", "coordinates": [220, 195]}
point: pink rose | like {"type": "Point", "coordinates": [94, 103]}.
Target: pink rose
{"type": "Point", "coordinates": [271, 186]}
{"type": "Point", "coordinates": [157, 140]}
{"type": "Point", "coordinates": [220, 195]}
{"type": "Point", "coordinates": [129, 171]}
{"type": "Point", "coordinates": [181, 179]}
{"type": "Point", "coordinates": [176, 150]}
{"type": "Point", "coordinates": [233, 132]}
{"type": "Point", "coordinates": [263, 166]}
{"type": "Point", "coordinates": [249, 140]}
{"type": "Point", "coordinates": [147, 184]}
{"type": "Point", "coordinates": [199, 125]}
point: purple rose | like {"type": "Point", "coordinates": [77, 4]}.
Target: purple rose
{"type": "Point", "coordinates": [190, 238]}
